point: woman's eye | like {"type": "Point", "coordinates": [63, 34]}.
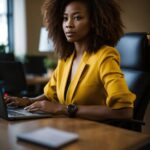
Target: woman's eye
{"type": "Point", "coordinates": [65, 18]}
{"type": "Point", "coordinates": [77, 18]}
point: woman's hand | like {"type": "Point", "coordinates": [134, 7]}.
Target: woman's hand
{"type": "Point", "coordinates": [17, 101]}
{"type": "Point", "coordinates": [47, 106]}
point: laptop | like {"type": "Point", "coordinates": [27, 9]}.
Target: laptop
{"type": "Point", "coordinates": [16, 113]}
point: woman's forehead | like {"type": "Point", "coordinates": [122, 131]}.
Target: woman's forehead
{"type": "Point", "coordinates": [75, 7]}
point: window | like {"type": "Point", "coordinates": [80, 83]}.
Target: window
{"type": "Point", "coordinates": [6, 24]}
{"type": "Point", "coordinates": [3, 22]}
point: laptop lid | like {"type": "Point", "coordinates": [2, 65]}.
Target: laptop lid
{"type": "Point", "coordinates": [3, 109]}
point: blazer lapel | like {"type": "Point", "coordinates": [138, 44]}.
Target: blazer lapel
{"type": "Point", "coordinates": [74, 83]}
{"type": "Point", "coordinates": [65, 76]}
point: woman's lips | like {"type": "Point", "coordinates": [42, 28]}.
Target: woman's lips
{"type": "Point", "coordinates": [70, 34]}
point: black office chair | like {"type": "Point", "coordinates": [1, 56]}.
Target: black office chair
{"type": "Point", "coordinates": [7, 57]}
{"type": "Point", "coordinates": [13, 79]}
{"type": "Point", "coordinates": [135, 63]}
{"type": "Point", "coordinates": [35, 65]}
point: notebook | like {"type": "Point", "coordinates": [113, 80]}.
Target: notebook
{"type": "Point", "coordinates": [15, 113]}
{"type": "Point", "coordinates": [51, 137]}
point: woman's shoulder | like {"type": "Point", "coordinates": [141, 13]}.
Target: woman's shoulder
{"type": "Point", "coordinates": [105, 50]}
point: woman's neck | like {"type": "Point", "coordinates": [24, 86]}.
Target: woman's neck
{"type": "Point", "coordinates": [80, 48]}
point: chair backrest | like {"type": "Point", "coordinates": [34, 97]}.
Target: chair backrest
{"type": "Point", "coordinates": [13, 77]}
{"type": "Point", "coordinates": [35, 65]}
{"type": "Point", "coordinates": [7, 57]}
{"type": "Point", "coordinates": [135, 63]}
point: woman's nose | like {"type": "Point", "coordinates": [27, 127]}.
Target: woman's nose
{"type": "Point", "coordinates": [69, 23]}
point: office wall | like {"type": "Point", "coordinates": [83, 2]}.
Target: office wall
{"type": "Point", "coordinates": [136, 15]}
{"type": "Point", "coordinates": [34, 22]}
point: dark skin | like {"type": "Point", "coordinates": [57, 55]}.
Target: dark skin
{"type": "Point", "coordinates": [41, 103]}
{"type": "Point", "coordinates": [77, 21]}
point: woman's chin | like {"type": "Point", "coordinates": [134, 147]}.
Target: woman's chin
{"type": "Point", "coordinates": [70, 40]}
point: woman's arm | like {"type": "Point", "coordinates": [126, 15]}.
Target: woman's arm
{"type": "Point", "coordinates": [94, 112]}
{"type": "Point", "coordinates": [103, 112]}
{"type": "Point", "coordinates": [38, 98]}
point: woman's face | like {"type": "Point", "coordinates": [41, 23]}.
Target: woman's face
{"type": "Point", "coordinates": [76, 22]}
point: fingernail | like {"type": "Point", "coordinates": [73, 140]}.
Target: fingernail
{"type": "Point", "coordinates": [25, 108]}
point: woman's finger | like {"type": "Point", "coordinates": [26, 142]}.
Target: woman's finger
{"type": "Point", "coordinates": [8, 99]}
{"type": "Point", "coordinates": [11, 104]}
{"type": "Point", "coordinates": [32, 106]}
{"type": "Point", "coordinates": [32, 109]}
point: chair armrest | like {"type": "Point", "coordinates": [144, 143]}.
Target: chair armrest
{"type": "Point", "coordinates": [134, 121]}
{"type": "Point", "coordinates": [131, 124]}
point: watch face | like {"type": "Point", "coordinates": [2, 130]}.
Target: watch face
{"type": "Point", "coordinates": [72, 110]}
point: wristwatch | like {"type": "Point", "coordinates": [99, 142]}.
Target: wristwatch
{"type": "Point", "coordinates": [72, 110]}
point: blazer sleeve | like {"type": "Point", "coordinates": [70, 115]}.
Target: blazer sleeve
{"type": "Point", "coordinates": [118, 94]}
{"type": "Point", "coordinates": [50, 87]}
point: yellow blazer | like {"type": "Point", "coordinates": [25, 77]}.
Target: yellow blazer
{"type": "Point", "coordinates": [98, 81]}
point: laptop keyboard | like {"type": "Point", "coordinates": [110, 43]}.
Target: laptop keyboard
{"type": "Point", "coordinates": [15, 113]}
{"type": "Point", "coordinates": [23, 113]}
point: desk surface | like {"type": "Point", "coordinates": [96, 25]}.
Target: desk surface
{"type": "Point", "coordinates": [36, 80]}
{"type": "Point", "coordinates": [92, 135]}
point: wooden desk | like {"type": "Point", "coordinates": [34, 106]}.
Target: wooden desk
{"type": "Point", "coordinates": [92, 135]}
{"type": "Point", "coordinates": [36, 83]}
{"type": "Point", "coordinates": [37, 80]}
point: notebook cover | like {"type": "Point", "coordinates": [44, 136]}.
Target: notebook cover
{"type": "Point", "coordinates": [48, 137]}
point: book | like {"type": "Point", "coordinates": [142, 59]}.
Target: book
{"type": "Point", "coordinates": [48, 137]}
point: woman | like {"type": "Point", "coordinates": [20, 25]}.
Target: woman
{"type": "Point", "coordinates": [87, 82]}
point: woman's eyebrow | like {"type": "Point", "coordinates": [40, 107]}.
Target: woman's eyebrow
{"type": "Point", "coordinates": [74, 13]}
{"type": "Point", "coordinates": [77, 13]}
